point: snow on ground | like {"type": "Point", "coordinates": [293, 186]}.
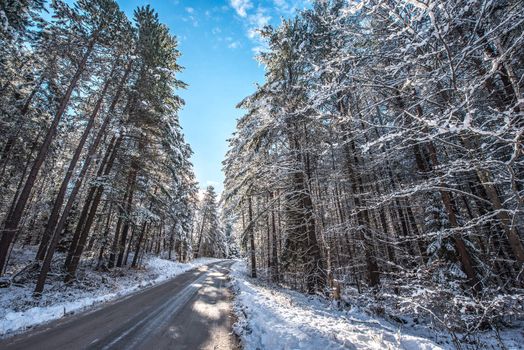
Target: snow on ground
{"type": "Point", "coordinates": [19, 311]}
{"type": "Point", "coordinates": [271, 318]}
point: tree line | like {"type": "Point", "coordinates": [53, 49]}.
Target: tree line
{"type": "Point", "coordinates": [211, 238]}
{"type": "Point", "coordinates": [93, 160]}
{"type": "Point", "coordinates": [383, 152]}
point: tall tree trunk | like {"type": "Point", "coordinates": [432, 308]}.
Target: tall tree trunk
{"type": "Point", "coordinates": [362, 215]}
{"type": "Point", "coordinates": [85, 228]}
{"type": "Point", "coordinates": [116, 237]}
{"type": "Point", "coordinates": [86, 219]}
{"type": "Point", "coordinates": [104, 240]}
{"type": "Point", "coordinates": [129, 243]}
{"type": "Point", "coordinates": [129, 205]}
{"type": "Point", "coordinates": [251, 239]}
{"type": "Point", "coordinates": [199, 243]}
{"type": "Point", "coordinates": [13, 220]}
{"type": "Point", "coordinates": [87, 205]}
{"type": "Point", "coordinates": [138, 244]}
{"type": "Point", "coordinates": [59, 200]}
{"type": "Point", "coordinates": [274, 260]}
{"type": "Point", "coordinates": [463, 253]}
{"type": "Point", "coordinates": [11, 141]}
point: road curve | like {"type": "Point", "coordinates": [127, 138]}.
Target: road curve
{"type": "Point", "coordinates": [191, 311]}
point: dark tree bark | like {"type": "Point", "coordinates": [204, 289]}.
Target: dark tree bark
{"type": "Point", "coordinates": [251, 234]}
{"type": "Point", "coordinates": [139, 244]}
{"type": "Point", "coordinates": [59, 200]}
{"type": "Point", "coordinates": [129, 205]}
{"type": "Point", "coordinates": [13, 220]}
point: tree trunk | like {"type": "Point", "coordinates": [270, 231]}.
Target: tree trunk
{"type": "Point", "coordinates": [89, 207]}
{"type": "Point", "coordinates": [13, 220]}
{"type": "Point", "coordinates": [274, 260]}
{"type": "Point", "coordinates": [104, 241]}
{"type": "Point", "coordinates": [59, 200]}
{"type": "Point", "coordinates": [463, 253]}
{"type": "Point", "coordinates": [85, 229]}
{"type": "Point", "coordinates": [201, 233]}
{"type": "Point", "coordinates": [251, 239]}
{"type": "Point", "coordinates": [129, 206]}
{"type": "Point", "coordinates": [114, 245]}
{"type": "Point", "coordinates": [138, 244]}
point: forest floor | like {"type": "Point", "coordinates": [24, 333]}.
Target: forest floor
{"type": "Point", "coordinates": [277, 318]}
{"type": "Point", "coordinates": [20, 311]}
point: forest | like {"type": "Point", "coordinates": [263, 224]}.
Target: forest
{"type": "Point", "coordinates": [93, 160]}
{"type": "Point", "coordinates": [376, 176]}
{"type": "Point", "coordinates": [382, 158]}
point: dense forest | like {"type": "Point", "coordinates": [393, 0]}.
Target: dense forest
{"type": "Point", "coordinates": [210, 237]}
{"type": "Point", "coordinates": [378, 167]}
{"type": "Point", "coordinates": [382, 158]}
{"type": "Point", "coordinates": [93, 161]}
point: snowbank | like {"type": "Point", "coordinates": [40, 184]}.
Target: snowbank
{"type": "Point", "coordinates": [19, 311]}
{"type": "Point", "coordinates": [270, 318]}
{"type": "Point", "coordinates": [276, 318]}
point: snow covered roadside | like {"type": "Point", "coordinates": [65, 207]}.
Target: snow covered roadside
{"type": "Point", "coordinates": [270, 318]}
{"type": "Point", "coordinates": [18, 310]}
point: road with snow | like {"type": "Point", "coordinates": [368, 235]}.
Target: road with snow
{"type": "Point", "coordinates": [191, 311]}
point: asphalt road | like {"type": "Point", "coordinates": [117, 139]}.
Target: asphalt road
{"type": "Point", "coordinates": [191, 311]}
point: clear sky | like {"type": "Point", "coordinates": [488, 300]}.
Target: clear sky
{"type": "Point", "coordinates": [218, 45]}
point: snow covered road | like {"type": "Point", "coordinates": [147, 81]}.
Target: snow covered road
{"type": "Point", "coordinates": [191, 311]}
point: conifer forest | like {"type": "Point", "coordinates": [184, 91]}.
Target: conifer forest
{"type": "Point", "coordinates": [373, 192]}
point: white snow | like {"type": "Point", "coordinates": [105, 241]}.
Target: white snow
{"type": "Point", "coordinates": [19, 311]}
{"type": "Point", "coordinates": [270, 318]}
{"type": "Point", "coordinates": [277, 318]}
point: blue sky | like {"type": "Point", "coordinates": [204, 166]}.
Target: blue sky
{"type": "Point", "coordinates": [218, 45]}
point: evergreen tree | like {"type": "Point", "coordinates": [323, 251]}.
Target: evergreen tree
{"type": "Point", "coordinates": [104, 170]}
{"type": "Point", "coordinates": [376, 151]}
{"type": "Point", "coordinates": [211, 241]}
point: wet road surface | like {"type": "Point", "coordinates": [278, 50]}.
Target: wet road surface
{"type": "Point", "coordinates": [190, 311]}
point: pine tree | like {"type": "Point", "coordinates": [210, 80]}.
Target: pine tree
{"type": "Point", "coordinates": [106, 169]}
{"type": "Point", "coordinates": [380, 131]}
{"type": "Point", "coordinates": [211, 241]}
